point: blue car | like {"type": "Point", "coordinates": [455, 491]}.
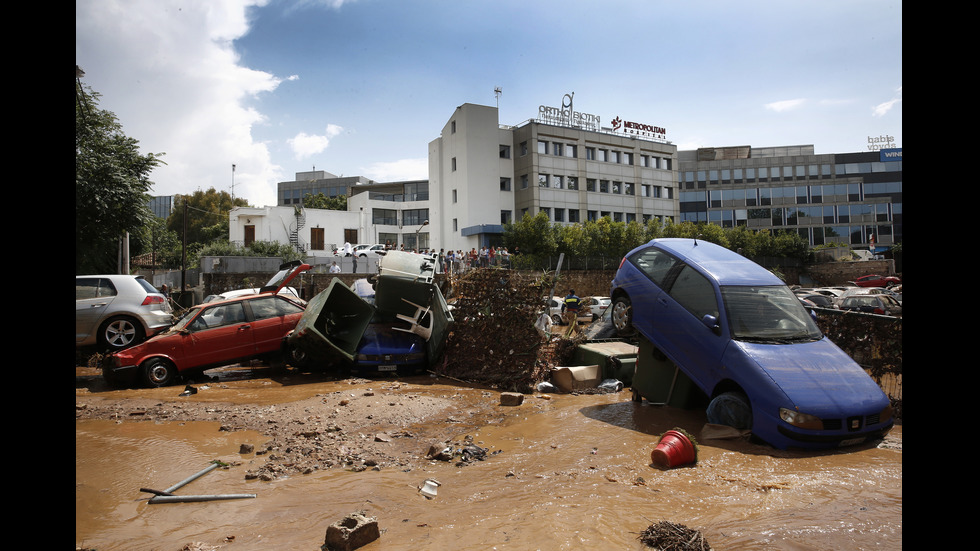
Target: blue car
{"type": "Point", "coordinates": [739, 333]}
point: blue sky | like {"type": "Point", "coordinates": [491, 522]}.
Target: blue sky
{"type": "Point", "coordinates": [360, 87]}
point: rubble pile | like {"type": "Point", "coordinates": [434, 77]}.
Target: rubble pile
{"type": "Point", "coordinates": [671, 536]}
{"type": "Point", "coordinates": [493, 340]}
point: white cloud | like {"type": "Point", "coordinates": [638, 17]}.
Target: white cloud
{"type": "Point", "coordinates": [305, 145]}
{"type": "Point", "coordinates": [172, 77]}
{"type": "Point", "coordinates": [882, 109]}
{"type": "Point", "coordinates": [785, 105]}
{"type": "Point", "coordinates": [396, 171]}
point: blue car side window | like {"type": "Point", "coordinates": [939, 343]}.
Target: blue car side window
{"type": "Point", "coordinates": [695, 293]}
{"type": "Point", "coordinates": [655, 264]}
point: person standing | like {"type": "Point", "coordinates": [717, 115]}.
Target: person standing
{"type": "Point", "coordinates": [334, 268]}
{"type": "Point", "coordinates": [571, 306]}
{"type": "Point", "coordinates": [354, 269]}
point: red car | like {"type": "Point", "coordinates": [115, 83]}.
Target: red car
{"type": "Point", "coordinates": [876, 281]}
{"type": "Point", "coordinates": [213, 334]}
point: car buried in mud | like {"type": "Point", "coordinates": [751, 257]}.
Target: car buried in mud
{"type": "Point", "coordinates": [211, 335]}
{"type": "Point", "coordinates": [743, 338]}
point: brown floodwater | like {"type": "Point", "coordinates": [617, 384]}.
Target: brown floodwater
{"type": "Point", "coordinates": [572, 472]}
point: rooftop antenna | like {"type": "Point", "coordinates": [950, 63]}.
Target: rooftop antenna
{"type": "Point", "coordinates": [233, 183]}
{"type": "Point", "coordinates": [496, 93]}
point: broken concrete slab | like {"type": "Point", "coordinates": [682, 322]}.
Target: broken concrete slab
{"type": "Point", "coordinates": [353, 531]}
{"type": "Point", "coordinates": [579, 377]}
{"type": "Point", "coordinates": [511, 398]}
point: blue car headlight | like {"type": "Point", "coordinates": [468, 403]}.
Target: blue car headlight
{"type": "Point", "coordinates": [800, 420]}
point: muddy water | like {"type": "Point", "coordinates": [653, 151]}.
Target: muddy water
{"type": "Point", "coordinates": [572, 472]}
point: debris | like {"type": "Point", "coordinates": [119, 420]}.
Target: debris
{"type": "Point", "coordinates": [671, 536]}
{"type": "Point", "coordinates": [611, 385]}
{"type": "Point", "coordinates": [511, 398]}
{"type": "Point", "coordinates": [578, 377]}
{"type": "Point", "coordinates": [429, 488]}
{"type": "Point", "coordinates": [675, 448]}
{"type": "Point", "coordinates": [545, 386]}
{"type": "Point", "coordinates": [188, 390]}
{"type": "Point", "coordinates": [353, 531]}
{"type": "Point", "coordinates": [167, 496]}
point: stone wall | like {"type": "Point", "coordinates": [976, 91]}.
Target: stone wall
{"type": "Point", "coordinates": [839, 273]}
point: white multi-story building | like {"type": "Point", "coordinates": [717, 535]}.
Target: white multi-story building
{"type": "Point", "coordinates": [564, 163]}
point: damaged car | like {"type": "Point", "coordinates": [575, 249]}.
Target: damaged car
{"type": "Point", "coordinates": [738, 332]}
{"type": "Point", "coordinates": [213, 334]}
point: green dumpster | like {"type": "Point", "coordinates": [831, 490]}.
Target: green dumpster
{"type": "Point", "coordinates": [660, 381]}
{"type": "Point", "coordinates": [617, 359]}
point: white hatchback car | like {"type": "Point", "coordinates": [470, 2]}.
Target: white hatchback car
{"type": "Point", "coordinates": [363, 251]}
{"type": "Point", "coordinates": [115, 311]}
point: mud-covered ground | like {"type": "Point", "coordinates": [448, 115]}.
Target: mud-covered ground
{"type": "Point", "coordinates": [367, 424]}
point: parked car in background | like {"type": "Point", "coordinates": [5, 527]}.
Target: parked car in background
{"type": "Point", "coordinates": [818, 300]}
{"type": "Point", "coordinates": [894, 292]}
{"type": "Point", "coordinates": [872, 304]}
{"type": "Point", "coordinates": [116, 311]}
{"type": "Point", "coordinates": [875, 280]}
{"type": "Point", "coordinates": [741, 336]}
{"type": "Point", "coordinates": [288, 291]}
{"type": "Point", "coordinates": [597, 305]}
{"type": "Point", "coordinates": [364, 251]}
{"type": "Point", "coordinates": [211, 335]}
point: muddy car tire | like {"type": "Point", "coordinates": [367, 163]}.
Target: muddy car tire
{"type": "Point", "coordinates": [622, 316]}
{"type": "Point", "coordinates": [556, 320]}
{"type": "Point", "coordinates": [119, 333]}
{"type": "Point", "coordinates": [158, 372]}
{"type": "Point", "coordinates": [732, 409]}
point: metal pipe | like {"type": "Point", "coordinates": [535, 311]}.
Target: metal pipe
{"type": "Point", "coordinates": [185, 499]}
{"type": "Point", "coordinates": [187, 480]}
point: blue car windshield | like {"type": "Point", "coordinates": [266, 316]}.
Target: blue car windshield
{"type": "Point", "coordinates": [769, 314]}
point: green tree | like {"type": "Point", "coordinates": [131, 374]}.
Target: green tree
{"type": "Point", "coordinates": [207, 215]}
{"type": "Point", "coordinates": [321, 201]}
{"type": "Point", "coordinates": [111, 184]}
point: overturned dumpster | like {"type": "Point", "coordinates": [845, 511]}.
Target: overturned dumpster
{"type": "Point", "coordinates": [397, 321]}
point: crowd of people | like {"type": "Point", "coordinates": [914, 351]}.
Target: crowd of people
{"type": "Point", "coordinates": [451, 262]}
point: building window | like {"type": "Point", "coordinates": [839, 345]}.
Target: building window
{"type": "Point", "coordinates": [603, 186]}
{"type": "Point", "coordinates": [454, 164]}
{"type": "Point", "coordinates": [573, 215]}
{"type": "Point", "coordinates": [617, 187]}
{"type": "Point", "coordinates": [454, 196]}
{"type": "Point", "coordinates": [523, 149]}
{"type": "Point", "coordinates": [505, 152]}
{"type": "Point", "coordinates": [385, 216]}
{"type": "Point", "coordinates": [542, 180]}
{"type": "Point", "coordinates": [556, 182]}
{"type": "Point", "coordinates": [614, 157]}
{"type": "Point", "coordinates": [505, 184]}
{"type": "Point", "coordinates": [455, 224]}
{"type": "Point", "coordinates": [646, 190]}
{"type": "Point", "coordinates": [542, 147]}
{"type": "Point", "coordinates": [628, 159]}
{"type": "Point", "coordinates": [505, 216]}
{"type": "Point", "coordinates": [628, 189]}
{"type": "Point", "coordinates": [524, 181]}
{"type": "Point", "coordinates": [592, 215]}
{"type": "Point", "coordinates": [571, 150]}
{"type": "Point", "coordinates": [414, 217]}
{"type": "Point", "coordinates": [453, 126]}
{"type": "Point", "coordinates": [590, 153]}
{"type": "Point", "coordinates": [572, 182]}
{"type": "Point", "coordinates": [603, 154]}
{"type": "Point", "coordinates": [546, 211]}
{"type": "Point", "coordinates": [556, 149]}
{"type": "Point", "coordinates": [590, 184]}
{"type": "Point", "coordinates": [559, 215]}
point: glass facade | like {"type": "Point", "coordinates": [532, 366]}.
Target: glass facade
{"type": "Point", "coordinates": [828, 199]}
